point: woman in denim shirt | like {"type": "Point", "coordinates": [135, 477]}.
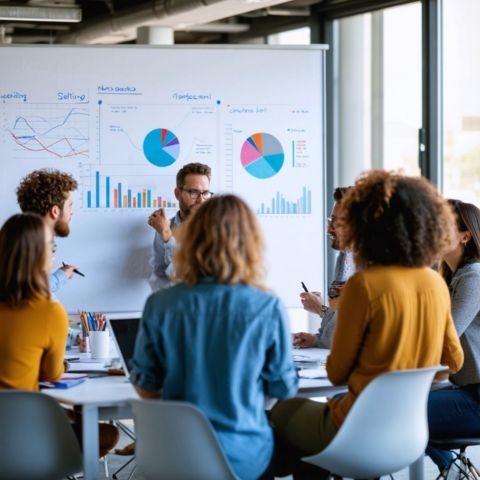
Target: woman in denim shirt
{"type": "Point", "coordinates": [218, 338]}
{"type": "Point", "coordinates": [455, 412]}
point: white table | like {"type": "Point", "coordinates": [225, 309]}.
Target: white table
{"type": "Point", "coordinates": [106, 398]}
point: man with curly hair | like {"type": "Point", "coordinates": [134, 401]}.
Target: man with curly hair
{"type": "Point", "coordinates": [48, 192]}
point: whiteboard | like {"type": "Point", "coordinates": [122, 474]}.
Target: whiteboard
{"type": "Point", "coordinates": [123, 120]}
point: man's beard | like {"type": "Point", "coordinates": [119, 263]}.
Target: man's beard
{"type": "Point", "coordinates": [185, 209]}
{"type": "Point", "coordinates": [335, 243]}
{"type": "Point", "coordinates": [61, 228]}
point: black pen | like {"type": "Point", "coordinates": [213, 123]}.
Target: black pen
{"type": "Point", "coordinates": [304, 287]}
{"type": "Point", "coordinates": [78, 272]}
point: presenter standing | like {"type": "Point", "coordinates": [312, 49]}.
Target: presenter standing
{"type": "Point", "coordinates": [49, 194]}
{"type": "Point", "coordinates": [192, 189]}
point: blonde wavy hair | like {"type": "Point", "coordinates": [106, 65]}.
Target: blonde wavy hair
{"type": "Point", "coordinates": [221, 239]}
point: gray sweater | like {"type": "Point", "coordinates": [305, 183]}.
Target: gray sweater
{"type": "Point", "coordinates": [465, 293]}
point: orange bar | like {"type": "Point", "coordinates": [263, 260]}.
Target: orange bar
{"type": "Point", "coordinates": [115, 198]}
{"type": "Point", "coordinates": [144, 199]}
{"type": "Point", "coordinates": [164, 204]}
{"type": "Point", "coordinates": [154, 203]}
{"type": "Point", "coordinates": [134, 202]}
{"type": "Point", "coordinates": [125, 201]}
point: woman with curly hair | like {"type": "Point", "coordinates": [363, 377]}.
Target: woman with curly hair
{"type": "Point", "coordinates": [455, 411]}
{"type": "Point", "coordinates": [393, 314]}
{"type": "Point", "coordinates": [218, 339]}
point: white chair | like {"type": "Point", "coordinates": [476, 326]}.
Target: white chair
{"type": "Point", "coordinates": [175, 441]}
{"type": "Point", "coordinates": [36, 439]}
{"type": "Point", "coordinates": [386, 429]}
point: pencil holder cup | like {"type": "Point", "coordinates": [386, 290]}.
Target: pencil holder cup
{"type": "Point", "coordinates": [84, 345]}
{"type": "Point", "coordinates": [99, 344]}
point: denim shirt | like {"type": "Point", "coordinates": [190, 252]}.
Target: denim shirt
{"type": "Point", "coordinates": [223, 348]}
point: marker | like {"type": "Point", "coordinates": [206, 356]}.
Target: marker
{"type": "Point", "coordinates": [304, 287]}
{"type": "Point", "coordinates": [78, 272]}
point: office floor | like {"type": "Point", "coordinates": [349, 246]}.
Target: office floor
{"type": "Point", "coordinates": [116, 461]}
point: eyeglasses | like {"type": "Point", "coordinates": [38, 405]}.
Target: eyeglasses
{"type": "Point", "coordinates": [195, 194]}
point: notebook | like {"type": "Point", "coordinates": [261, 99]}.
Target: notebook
{"type": "Point", "coordinates": [124, 328]}
{"type": "Point", "coordinates": [68, 380]}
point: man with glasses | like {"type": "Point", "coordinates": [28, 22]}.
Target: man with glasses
{"type": "Point", "coordinates": [193, 188]}
{"type": "Point", "coordinates": [48, 193]}
{"type": "Point", "coordinates": [313, 302]}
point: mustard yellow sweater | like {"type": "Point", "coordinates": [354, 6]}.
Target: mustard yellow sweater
{"type": "Point", "coordinates": [32, 344]}
{"type": "Point", "coordinates": [390, 318]}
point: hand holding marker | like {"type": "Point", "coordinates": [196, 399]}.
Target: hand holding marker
{"type": "Point", "coordinates": [75, 270]}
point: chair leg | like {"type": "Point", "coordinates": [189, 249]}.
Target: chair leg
{"type": "Point", "coordinates": [126, 464]}
{"type": "Point", "coordinates": [132, 472]}
{"type": "Point", "coordinates": [105, 465]}
{"type": "Point", "coordinates": [473, 469]}
{"type": "Point", "coordinates": [464, 468]}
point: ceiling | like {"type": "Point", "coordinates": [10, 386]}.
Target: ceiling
{"type": "Point", "coordinates": [116, 21]}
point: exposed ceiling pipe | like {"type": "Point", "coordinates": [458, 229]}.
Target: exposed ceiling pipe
{"type": "Point", "coordinates": [143, 15]}
{"type": "Point", "coordinates": [178, 14]}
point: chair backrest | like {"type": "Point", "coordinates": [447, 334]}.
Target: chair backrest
{"type": "Point", "coordinates": [36, 438]}
{"type": "Point", "coordinates": [385, 430]}
{"type": "Point", "coordinates": [175, 441]}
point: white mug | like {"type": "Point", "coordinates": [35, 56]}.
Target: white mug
{"type": "Point", "coordinates": [99, 344]}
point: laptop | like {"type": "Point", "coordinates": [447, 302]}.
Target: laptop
{"type": "Point", "coordinates": [124, 328]}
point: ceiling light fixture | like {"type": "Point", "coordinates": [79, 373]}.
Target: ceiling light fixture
{"type": "Point", "coordinates": [41, 14]}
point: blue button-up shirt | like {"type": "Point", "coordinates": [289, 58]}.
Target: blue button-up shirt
{"type": "Point", "coordinates": [223, 348]}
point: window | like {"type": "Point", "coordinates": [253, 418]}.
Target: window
{"type": "Point", "coordinates": [379, 85]}
{"type": "Point", "coordinates": [298, 36]}
{"type": "Point", "coordinates": [461, 100]}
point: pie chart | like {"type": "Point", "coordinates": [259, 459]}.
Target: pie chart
{"type": "Point", "coordinates": [262, 155]}
{"type": "Point", "coordinates": [161, 147]}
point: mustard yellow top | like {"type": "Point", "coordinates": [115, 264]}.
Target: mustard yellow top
{"type": "Point", "coordinates": [390, 318]}
{"type": "Point", "coordinates": [32, 344]}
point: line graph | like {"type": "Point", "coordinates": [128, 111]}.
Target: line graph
{"type": "Point", "coordinates": [53, 131]}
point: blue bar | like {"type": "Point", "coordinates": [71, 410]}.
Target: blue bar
{"type": "Point", "coordinates": [129, 193]}
{"type": "Point", "coordinates": [263, 208]}
{"type": "Point", "coordinates": [273, 205]}
{"type": "Point", "coordinates": [149, 198]}
{"type": "Point", "coordinates": [304, 200]}
{"type": "Point", "coordinates": [120, 199]}
{"type": "Point", "coordinates": [169, 205]}
{"type": "Point", "coordinates": [89, 199]}
{"type": "Point", "coordinates": [139, 200]}
{"type": "Point", "coordinates": [108, 191]}
{"type": "Point", "coordinates": [309, 202]}
{"type": "Point", "coordinates": [268, 210]}
{"type": "Point", "coordinates": [294, 208]}
{"type": "Point", "coordinates": [97, 189]}
{"type": "Point", "coordinates": [278, 203]}
{"type": "Point", "coordinates": [283, 205]}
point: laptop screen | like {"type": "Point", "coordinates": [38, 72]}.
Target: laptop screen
{"type": "Point", "coordinates": [124, 332]}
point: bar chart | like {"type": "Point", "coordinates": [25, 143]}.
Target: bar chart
{"type": "Point", "coordinates": [110, 194]}
{"type": "Point", "coordinates": [279, 205]}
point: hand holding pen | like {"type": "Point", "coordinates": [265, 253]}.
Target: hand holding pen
{"type": "Point", "coordinates": [311, 301]}
{"type": "Point", "coordinates": [70, 270]}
